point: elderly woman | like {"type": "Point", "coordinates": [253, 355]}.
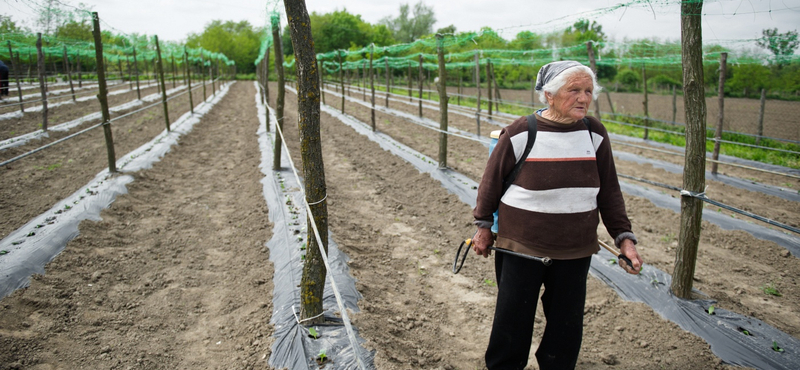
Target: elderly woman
{"type": "Point", "coordinates": [551, 210]}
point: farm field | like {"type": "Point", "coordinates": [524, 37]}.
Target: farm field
{"type": "Point", "coordinates": [177, 275]}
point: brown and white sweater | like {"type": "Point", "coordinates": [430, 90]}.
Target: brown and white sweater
{"type": "Point", "coordinates": [552, 207]}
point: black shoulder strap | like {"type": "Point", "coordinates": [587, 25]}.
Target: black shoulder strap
{"type": "Point", "coordinates": [589, 127]}
{"type": "Point", "coordinates": [528, 145]}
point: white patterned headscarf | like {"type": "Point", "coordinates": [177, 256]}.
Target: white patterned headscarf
{"type": "Point", "coordinates": [549, 71]}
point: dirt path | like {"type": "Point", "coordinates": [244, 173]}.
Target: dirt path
{"type": "Point", "coordinates": [176, 276]}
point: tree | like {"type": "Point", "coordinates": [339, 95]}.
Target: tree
{"type": "Point", "coordinates": [782, 45]}
{"type": "Point", "coordinates": [449, 30]}
{"type": "Point", "coordinates": [7, 25]}
{"type": "Point", "coordinates": [74, 30]}
{"type": "Point", "coordinates": [410, 25]}
{"type": "Point", "coordinates": [312, 284]}
{"type": "Point", "coordinates": [239, 41]}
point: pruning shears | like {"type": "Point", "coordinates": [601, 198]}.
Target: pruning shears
{"type": "Point", "coordinates": [468, 243]}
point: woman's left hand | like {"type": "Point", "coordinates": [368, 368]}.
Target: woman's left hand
{"type": "Point", "coordinates": [628, 249]}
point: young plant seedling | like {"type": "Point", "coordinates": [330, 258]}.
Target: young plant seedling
{"type": "Point", "coordinates": [775, 347]}
{"type": "Point", "coordinates": [313, 333]}
{"type": "Point", "coordinates": [771, 290]}
{"type": "Point", "coordinates": [710, 310]}
{"type": "Point", "coordinates": [489, 282]}
{"type": "Point", "coordinates": [322, 358]}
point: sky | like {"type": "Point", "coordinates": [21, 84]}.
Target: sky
{"type": "Point", "coordinates": [722, 20]}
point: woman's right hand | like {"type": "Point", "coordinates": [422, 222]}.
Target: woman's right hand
{"type": "Point", "coordinates": [482, 241]}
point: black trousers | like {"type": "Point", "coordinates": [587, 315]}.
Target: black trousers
{"type": "Point", "coordinates": [519, 282]}
{"type": "Point", "coordinates": [4, 81]}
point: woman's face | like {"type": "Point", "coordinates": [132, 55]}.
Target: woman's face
{"type": "Point", "coordinates": [571, 102]}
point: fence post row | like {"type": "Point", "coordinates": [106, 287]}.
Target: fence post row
{"type": "Point", "coordinates": [103, 95]}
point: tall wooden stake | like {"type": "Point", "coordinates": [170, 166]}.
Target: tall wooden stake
{"type": "Point", "coordinates": [69, 74]}
{"type": "Point", "coordinates": [674, 103]}
{"type": "Point", "coordinates": [644, 102]}
{"type": "Point", "coordinates": [420, 84]}
{"type": "Point", "coordinates": [279, 103]}
{"type": "Point", "coordinates": [372, 84]}
{"type": "Point", "coordinates": [388, 84]}
{"type": "Point", "coordinates": [723, 68]}
{"type": "Point", "coordinates": [695, 159]}
{"type": "Point", "coordinates": [103, 95]}
{"type": "Point", "coordinates": [478, 86]}
{"type": "Point", "coordinates": [593, 66]}
{"type": "Point", "coordinates": [136, 75]}
{"type": "Point", "coordinates": [17, 71]}
{"type": "Point", "coordinates": [188, 72]}
{"type": "Point", "coordinates": [410, 97]}
{"type": "Point", "coordinates": [760, 116]}
{"type": "Point", "coordinates": [341, 77]}
{"type": "Point", "coordinates": [442, 103]}
{"type": "Point", "coordinates": [160, 65]}
{"type": "Point", "coordinates": [489, 85]}
{"type": "Point", "coordinates": [42, 86]}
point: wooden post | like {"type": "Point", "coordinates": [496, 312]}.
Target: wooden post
{"type": "Point", "coordinates": [442, 103]}
{"type": "Point", "coordinates": [17, 71]}
{"type": "Point", "coordinates": [341, 77]}
{"type": "Point", "coordinates": [372, 85]}
{"type": "Point", "coordinates": [364, 68]}
{"type": "Point", "coordinates": [211, 77]}
{"type": "Point", "coordinates": [266, 84]}
{"type": "Point", "coordinates": [533, 92]}
{"type": "Point", "coordinates": [723, 68]}
{"type": "Point", "coordinates": [69, 74]}
{"type": "Point", "coordinates": [279, 103]}
{"type": "Point", "coordinates": [203, 74]}
{"type": "Point", "coordinates": [388, 84]}
{"type": "Point", "coordinates": [420, 84]}
{"type": "Point", "coordinates": [478, 86]}
{"type": "Point", "coordinates": [410, 98]}
{"type": "Point", "coordinates": [610, 103]}
{"type": "Point", "coordinates": [644, 102]}
{"type": "Point", "coordinates": [42, 87]}
{"type": "Point", "coordinates": [321, 81]}
{"type": "Point", "coordinates": [174, 72]}
{"type": "Point", "coordinates": [695, 159]}
{"type": "Point", "coordinates": [674, 103]}
{"type": "Point", "coordinates": [460, 81]}
{"type": "Point", "coordinates": [312, 283]}
{"type": "Point", "coordinates": [121, 74]}
{"type": "Point", "coordinates": [130, 75]}
{"type": "Point", "coordinates": [497, 96]}
{"type": "Point", "coordinates": [160, 65]}
{"type": "Point", "coordinates": [489, 85]}
{"type": "Point", "coordinates": [593, 66]}
{"type": "Point", "coordinates": [103, 95]}
{"type": "Point", "coordinates": [188, 72]}
{"type": "Point", "coordinates": [136, 75]}
{"type": "Point", "coordinates": [760, 116]}
{"type": "Point", "coordinates": [78, 67]}
{"type": "Point", "coordinates": [147, 73]}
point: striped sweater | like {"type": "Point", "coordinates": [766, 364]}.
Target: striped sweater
{"type": "Point", "coordinates": [552, 207]}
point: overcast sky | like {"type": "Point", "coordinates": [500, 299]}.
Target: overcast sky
{"type": "Point", "coordinates": [722, 20]}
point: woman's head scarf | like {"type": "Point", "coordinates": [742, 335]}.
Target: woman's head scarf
{"type": "Point", "coordinates": [549, 71]}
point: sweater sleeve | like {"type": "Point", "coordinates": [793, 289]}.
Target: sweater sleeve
{"type": "Point", "coordinates": [609, 200]}
{"type": "Point", "coordinates": [501, 162]}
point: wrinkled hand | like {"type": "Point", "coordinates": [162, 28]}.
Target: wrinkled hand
{"type": "Point", "coordinates": [482, 241]}
{"type": "Point", "coordinates": [628, 249]}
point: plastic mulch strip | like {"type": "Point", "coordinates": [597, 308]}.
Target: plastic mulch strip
{"type": "Point", "coordinates": [295, 347]}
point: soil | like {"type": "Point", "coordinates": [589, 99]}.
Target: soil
{"type": "Point", "coordinates": [176, 275]}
